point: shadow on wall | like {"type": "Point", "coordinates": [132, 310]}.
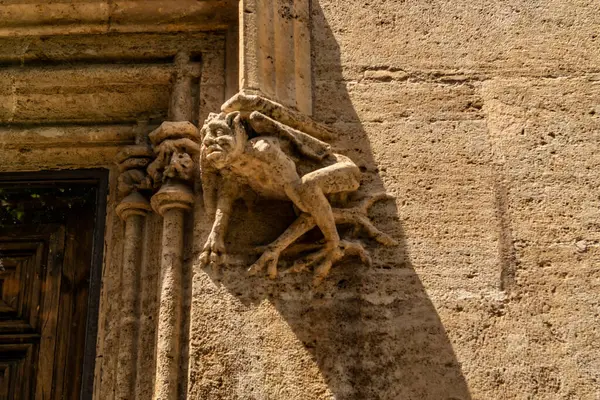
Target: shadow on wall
{"type": "Point", "coordinates": [372, 331]}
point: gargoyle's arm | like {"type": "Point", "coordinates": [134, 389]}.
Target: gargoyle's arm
{"type": "Point", "coordinates": [210, 185]}
{"type": "Point", "coordinates": [228, 193]}
{"type": "Point", "coordinates": [214, 252]}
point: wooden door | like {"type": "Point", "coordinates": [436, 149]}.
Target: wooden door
{"type": "Point", "coordinates": [46, 253]}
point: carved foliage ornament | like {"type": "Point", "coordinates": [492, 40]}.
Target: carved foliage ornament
{"type": "Point", "coordinates": [259, 145]}
{"type": "Point", "coordinates": [175, 146]}
{"type": "Point", "coordinates": [133, 180]}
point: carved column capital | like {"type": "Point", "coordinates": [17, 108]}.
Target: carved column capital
{"type": "Point", "coordinates": [134, 204]}
{"type": "Point", "coordinates": [172, 196]}
{"type": "Point", "coordinates": [176, 147]}
{"type": "Point", "coordinates": [132, 162]}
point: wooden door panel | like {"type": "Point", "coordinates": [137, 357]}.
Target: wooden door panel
{"type": "Point", "coordinates": [20, 285]}
{"type": "Point", "coordinates": [75, 279]}
{"type": "Point", "coordinates": [16, 370]}
{"type": "Point", "coordinates": [31, 290]}
{"type": "Point", "coordinates": [44, 293]}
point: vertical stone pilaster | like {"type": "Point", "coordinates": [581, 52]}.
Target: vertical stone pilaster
{"type": "Point", "coordinates": [181, 107]}
{"type": "Point", "coordinates": [176, 144]}
{"type": "Point", "coordinates": [275, 51]}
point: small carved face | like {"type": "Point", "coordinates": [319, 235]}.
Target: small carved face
{"type": "Point", "coordinates": [221, 143]}
{"type": "Point", "coordinates": [181, 166]}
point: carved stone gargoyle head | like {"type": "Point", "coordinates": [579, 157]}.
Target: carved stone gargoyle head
{"type": "Point", "coordinates": [224, 137]}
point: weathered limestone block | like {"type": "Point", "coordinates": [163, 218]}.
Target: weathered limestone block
{"type": "Point", "coordinates": [387, 101]}
{"type": "Point", "coordinates": [544, 134]}
{"type": "Point", "coordinates": [437, 38]}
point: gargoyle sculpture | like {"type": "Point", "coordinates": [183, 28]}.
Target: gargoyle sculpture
{"type": "Point", "coordinates": [255, 143]}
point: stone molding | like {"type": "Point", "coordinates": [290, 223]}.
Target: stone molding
{"type": "Point", "coordinates": [104, 16]}
{"type": "Point", "coordinates": [118, 135]}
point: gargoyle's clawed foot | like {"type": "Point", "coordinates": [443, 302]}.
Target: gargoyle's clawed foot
{"type": "Point", "coordinates": [321, 260]}
{"type": "Point", "coordinates": [213, 254]}
{"type": "Point", "coordinates": [268, 260]}
{"type": "Point", "coordinates": [346, 248]}
{"type": "Point", "coordinates": [213, 258]}
{"type": "Point", "coordinates": [376, 234]}
{"type": "Point", "coordinates": [351, 248]}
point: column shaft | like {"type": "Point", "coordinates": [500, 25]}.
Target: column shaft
{"type": "Point", "coordinates": [169, 314]}
{"type": "Point", "coordinates": [129, 326]}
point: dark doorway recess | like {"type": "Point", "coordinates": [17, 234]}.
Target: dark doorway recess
{"type": "Point", "coordinates": [51, 247]}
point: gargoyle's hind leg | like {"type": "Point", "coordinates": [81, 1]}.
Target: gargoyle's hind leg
{"type": "Point", "coordinates": [308, 194]}
{"type": "Point", "coordinates": [270, 257]}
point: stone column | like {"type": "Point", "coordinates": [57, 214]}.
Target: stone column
{"type": "Point", "coordinates": [132, 210]}
{"type": "Point", "coordinates": [176, 144]}
{"type": "Point", "coordinates": [172, 203]}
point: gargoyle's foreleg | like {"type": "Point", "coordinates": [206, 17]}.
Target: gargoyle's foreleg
{"type": "Point", "coordinates": [270, 257]}
{"type": "Point", "coordinates": [214, 253]}
{"type": "Point", "coordinates": [308, 194]}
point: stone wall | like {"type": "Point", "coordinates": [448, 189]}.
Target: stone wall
{"type": "Point", "coordinates": [481, 118]}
